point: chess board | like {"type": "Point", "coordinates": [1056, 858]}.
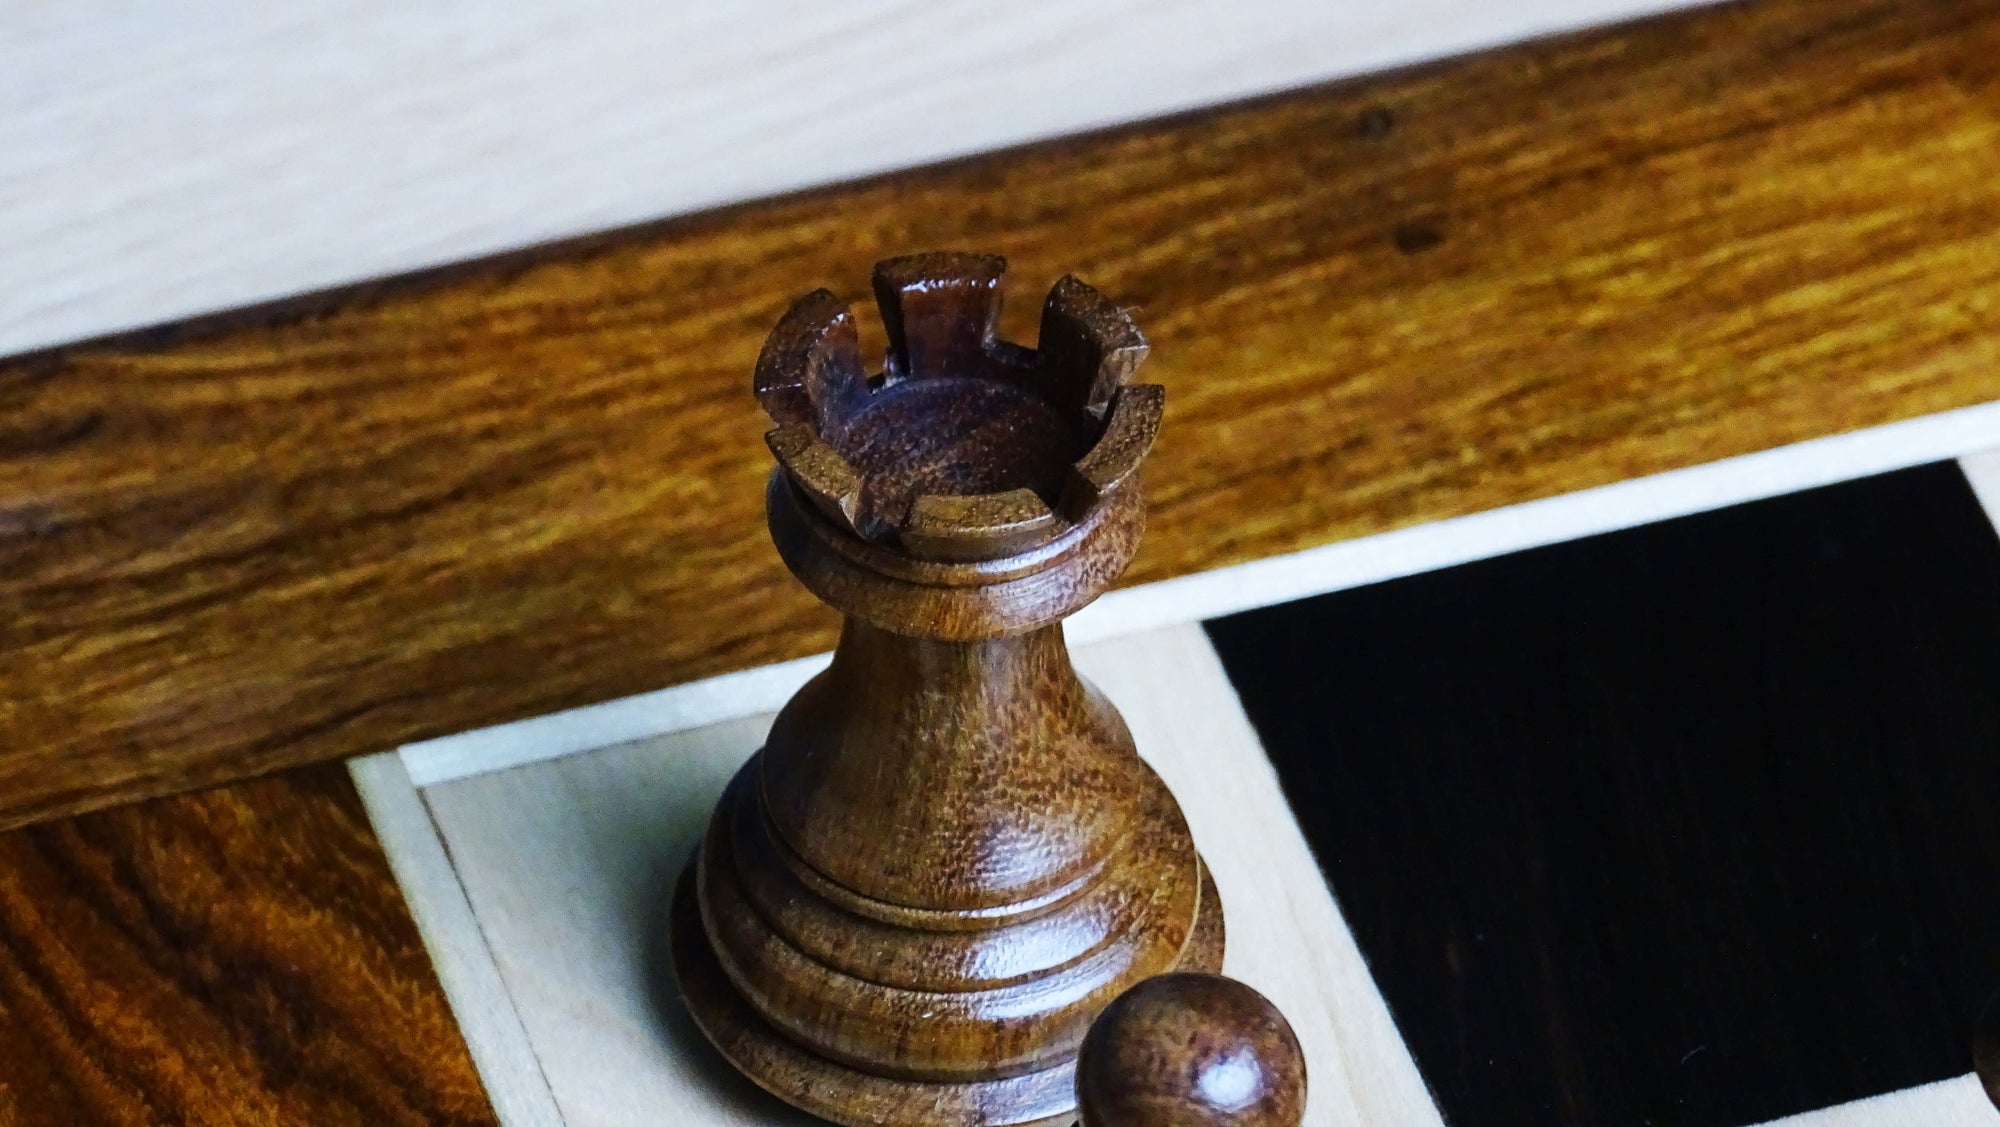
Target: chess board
{"type": "Point", "coordinates": [1672, 802]}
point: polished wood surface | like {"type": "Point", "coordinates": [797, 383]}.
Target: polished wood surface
{"type": "Point", "coordinates": [1191, 1050]}
{"type": "Point", "coordinates": [418, 507]}
{"type": "Point", "coordinates": [234, 956]}
{"type": "Point", "coordinates": [948, 857]}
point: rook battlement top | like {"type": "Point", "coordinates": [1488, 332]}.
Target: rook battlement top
{"type": "Point", "coordinates": [965, 447]}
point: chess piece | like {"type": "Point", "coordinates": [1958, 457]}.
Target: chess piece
{"type": "Point", "coordinates": [1191, 1050]}
{"type": "Point", "coordinates": [948, 857]}
{"type": "Point", "coordinates": [1986, 1050]}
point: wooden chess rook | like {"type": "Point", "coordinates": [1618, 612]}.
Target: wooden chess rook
{"type": "Point", "coordinates": [948, 857]}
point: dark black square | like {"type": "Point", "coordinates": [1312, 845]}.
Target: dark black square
{"type": "Point", "coordinates": [1696, 823]}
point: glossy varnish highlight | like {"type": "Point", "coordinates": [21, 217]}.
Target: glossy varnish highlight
{"type": "Point", "coordinates": [415, 508]}
{"type": "Point", "coordinates": [1191, 1050]}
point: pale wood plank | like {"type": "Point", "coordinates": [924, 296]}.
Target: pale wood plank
{"type": "Point", "coordinates": [1948, 1103]}
{"type": "Point", "coordinates": [569, 866]}
{"type": "Point", "coordinates": [1983, 472]}
{"type": "Point", "coordinates": [1286, 934]}
{"type": "Point", "coordinates": [163, 161]}
{"type": "Point", "coordinates": [486, 1014]}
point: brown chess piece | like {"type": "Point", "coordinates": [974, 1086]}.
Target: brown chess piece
{"type": "Point", "coordinates": [948, 857]}
{"type": "Point", "coordinates": [1191, 1050]}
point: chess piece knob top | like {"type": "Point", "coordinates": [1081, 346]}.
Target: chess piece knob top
{"type": "Point", "coordinates": [1191, 1050]}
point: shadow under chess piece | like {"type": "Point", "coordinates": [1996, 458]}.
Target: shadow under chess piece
{"type": "Point", "coordinates": [1191, 1050]}
{"type": "Point", "coordinates": [948, 857]}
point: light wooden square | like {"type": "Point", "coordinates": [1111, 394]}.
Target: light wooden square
{"type": "Point", "coordinates": [564, 870]}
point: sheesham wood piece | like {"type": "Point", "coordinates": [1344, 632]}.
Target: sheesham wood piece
{"type": "Point", "coordinates": [1191, 1050]}
{"type": "Point", "coordinates": [239, 955]}
{"type": "Point", "coordinates": [408, 509]}
{"type": "Point", "coordinates": [948, 857]}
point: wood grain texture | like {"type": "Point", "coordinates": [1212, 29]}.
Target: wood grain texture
{"type": "Point", "coordinates": [1191, 1050]}
{"type": "Point", "coordinates": [485, 1015]}
{"type": "Point", "coordinates": [948, 857]}
{"type": "Point", "coordinates": [415, 508]}
{"type": "Point", "coordinates": [236, 956]}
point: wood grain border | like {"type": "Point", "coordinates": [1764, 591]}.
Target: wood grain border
{"type": "Point", "coordinates": [238, 956]}
{"type": "Point", "coordinates": [1272, 580]}
{"type": "Point", "coordinates": [405, 510]}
